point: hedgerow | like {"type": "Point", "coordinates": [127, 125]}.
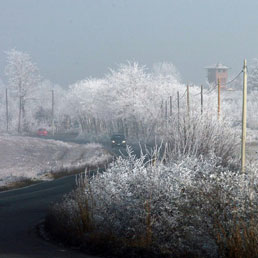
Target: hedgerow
{"type": "Point", "coordinates": [185, 206]}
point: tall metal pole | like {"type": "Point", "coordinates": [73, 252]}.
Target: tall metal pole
{"type": "Point", "coordinates": [7, 115]}
{"type": "Point", "coordinates": [244, 117]}
{"type": "Point", "coordinates": [218, 98]}
{"type": "Point", "coordinates": [53, 121]}
{"type": "Point", "coordinates": [188, 101]}
{"type": "Point", "coordinates": [201, 99]}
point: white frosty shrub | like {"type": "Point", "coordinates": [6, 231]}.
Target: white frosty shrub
{"type": "Point", "coordinates": [199, 135]}
{"type": "Point", "coordinates": [179, 203]}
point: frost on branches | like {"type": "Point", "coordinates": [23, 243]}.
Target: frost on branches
{"type": "Point", "coordinates": [132, 100]}
{"type": "Point", "coordinates": [177, 207]}
{"type": "Point", "coordinates": [29, 97]}
{"type": "Point", "coordinates": [180, 201]}
{"type": "Point", "coordinates": [23, 78]}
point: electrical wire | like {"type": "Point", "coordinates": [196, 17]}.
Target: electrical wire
{"type": "Point", "coordinates": [183, 95]}
{"type": "Point", "coordinates": [212, 89]}
{"type": "Point", "coordinates": [196, 94]}
{"type": "Point", "coordinates": [234, 78]}
{"type": "Point", "coordinates": [215, 86]}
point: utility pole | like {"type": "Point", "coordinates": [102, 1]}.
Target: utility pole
{"type": "Point", "coordinates": [218, 98]}
{"type": "Point", "coordinates": [188, 100]}
{"type": "Point", "coordinates": [178, 110]}
{"type": "Point", "coordinates": [166, 110]}
{"type": "Point", "coordinates": [201, 99]}
{"type": "Point", "coordinates": [162, 108]}
{"type": "Point", "coordinates": [53, 121]}
{"type": "Point", "coordinates": [244, 117]}
{"type": "Point", "coordinates": [20, 108]}
{"type": "Point", "coordinates": [7, 115]}
{"type": "Point", "coordinates": [170, 105]}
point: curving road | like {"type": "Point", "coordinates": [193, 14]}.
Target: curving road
{"type": "Point", "coordinates": [21, 210]}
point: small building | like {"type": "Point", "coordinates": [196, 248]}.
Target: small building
{"type": "Point", "coordinates": [217, 72]}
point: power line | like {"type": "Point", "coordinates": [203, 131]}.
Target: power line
{"type": "Point", "coordinates": [212, 89]}
{"type": "Point", "coordinates": [183, 94]}
{"type": "Point", "coordinates": [215, 86]}
{"type": "Point", "coordinates": [234, 78]}
{"type": "Point", "coordinates": [196, 94]}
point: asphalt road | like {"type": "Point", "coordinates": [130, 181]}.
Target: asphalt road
{"type": "Point", "coordinates": [21, 210]}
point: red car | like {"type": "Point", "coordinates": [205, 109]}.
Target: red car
{"type": "Point", "coordinates": [42, 132]}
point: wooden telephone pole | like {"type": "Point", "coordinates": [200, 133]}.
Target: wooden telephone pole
{"type": "Point", "coordinates": [201, 99]}
{"type": "Point", "coordinates": [244, 117]}
{"type": "Point", "coordinates": [178, 110]}
{"type": "Point", "coordinates": [20, 111]}
{"type": "Point", "coordinates": [170, 105]}
{"type": "Point", "coordinates": [166, 110]}
{"type": "Point", "coordinates": [53, 120]}
{"type": "Point", "coordinates": [6, 105]}
{"type": "Point", "coordinates": [218, 98]}
{"type": "Point", "coordinates": [188, 100]}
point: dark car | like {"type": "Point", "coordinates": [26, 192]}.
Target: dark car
{"type": "Point", "coordinates": [42, 132]}
{"type": "Point", "coordinates": [118, 140]}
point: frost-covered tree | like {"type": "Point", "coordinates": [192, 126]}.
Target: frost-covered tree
{"type": "Point", "coordinates": [166, 69]}
{"type": "Point", "coordinates": [23, 79]}
{"type": "Point", "coordinates": [253, 75]}
{"type": "Point", "coordinates": [41, 104]}
{"type": "Point", "coordinates": [85, 103]}
{"type": "Point", "coordinates": [2, 105]}
{"type": "Point", "coordinates": [130, 99]}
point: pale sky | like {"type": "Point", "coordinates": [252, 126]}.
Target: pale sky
{"type": "Point", "coordinates": [74, 39]}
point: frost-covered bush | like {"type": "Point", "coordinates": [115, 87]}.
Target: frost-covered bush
{"type": "Point", "coordinates": [71, 218]}
{"type": "Point", "coordinates": [195, 135]}
{"type": "Point", "coordinates": [177, 207]}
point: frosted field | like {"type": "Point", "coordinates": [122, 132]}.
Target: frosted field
{"type": "Point", "coordinates": [34, 158]}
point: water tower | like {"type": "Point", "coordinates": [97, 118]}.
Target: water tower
{"type": "Point", "coordinates": [218, 71]}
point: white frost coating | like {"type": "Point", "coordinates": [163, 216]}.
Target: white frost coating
{"type": "Point", "coordinates": [27, 157]}
{"type": "Point", "coordinates": [130, 98]}
{"type": "Point", "coordinates": [186, 198]}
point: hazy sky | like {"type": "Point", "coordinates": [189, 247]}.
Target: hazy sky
{"type": "Point", "coordinates": [74, 39]}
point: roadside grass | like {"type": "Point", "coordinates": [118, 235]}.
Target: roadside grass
{"type": "Point", "coordinates": [184, 201]}
{"type": "Point", "coordinates": [20, 184]}
{"type": "Point", "coordinates": [74, 170]}
{"type": "Point", "coordinates": [61, 172]}
{"type": "Point", "coordinates": [79, 231]}
{"type": "Point", "coordinates": [101, 217]}
{"type": "Point", "coordinates": [240, 241]}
